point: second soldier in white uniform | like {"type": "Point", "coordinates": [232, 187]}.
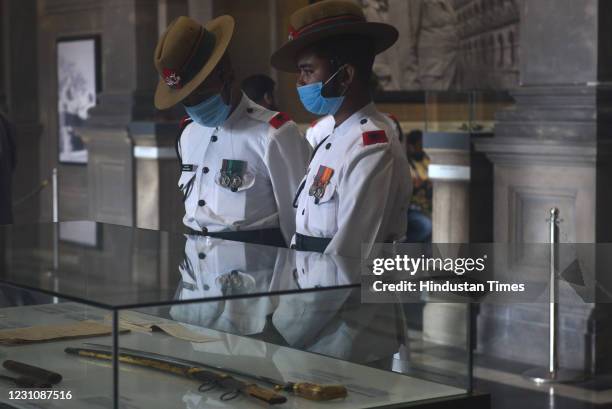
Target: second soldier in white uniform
{"type": "Point", "coordinates": [357, 187]}
{"type": "Point", "coordinates": [240, 163]}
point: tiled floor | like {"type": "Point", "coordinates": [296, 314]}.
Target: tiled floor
{"type": "Point", "coordinates": [504, 380]}
{"type": "Point", "coordinates": [508, 397]}
{"type": "Point", "coordinates": [509, 390]}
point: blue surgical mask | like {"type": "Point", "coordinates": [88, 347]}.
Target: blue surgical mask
{"type": "Point", "coordinates": [315, 102]}
{"type": "Point", "coordinates": [211, 112]}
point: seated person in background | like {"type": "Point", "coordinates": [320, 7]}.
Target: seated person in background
{"type": "Point", "coordinates": [260, 89]}
{"type": "Point", "coordinates": [419, 212]}
{"type": "Point", "coordinates": [240, 162]}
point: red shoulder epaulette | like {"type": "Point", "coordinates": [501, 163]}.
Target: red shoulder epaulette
{"type": "Point", "coordinates": [374, 137]}
{"type": "Point", "coordinates": [186, 120]}
{"type": "Point", "coordinates": [279, 120]}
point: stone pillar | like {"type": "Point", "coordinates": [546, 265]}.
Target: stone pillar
{"type": "Point", "coordinates": [125, 134]}
{"type": "Point", "coordinates": [169, 10]}
{"type": "Point", "coordinates": [201, 10]}
{"type": "Point", "coordinates": [449, 171]}
{"type": "Point", "coordinates": [159, 201]}
{"type": "Point", "coordinates": [549, 151]}
{"type": "Point", "coordinates": [19, 97]}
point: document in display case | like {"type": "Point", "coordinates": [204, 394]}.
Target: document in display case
{"type": "Point", "coordinates": [153, 319]}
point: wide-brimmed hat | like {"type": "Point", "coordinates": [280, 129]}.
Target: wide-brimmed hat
{"type": "Point", "coordinates": [325, 19]}
{"type": "Point", "coordinates": [186, 54]}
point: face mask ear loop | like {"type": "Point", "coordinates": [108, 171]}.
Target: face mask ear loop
{"type": "Point", "coordinates": [343, 66]}
{"type": "Point", "coordinates": [334, 74]}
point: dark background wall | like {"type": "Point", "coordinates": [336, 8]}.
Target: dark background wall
{"type": "Point", "coordinates": [19, 96]}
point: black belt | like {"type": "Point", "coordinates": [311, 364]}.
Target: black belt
{"type": "Point", "coordinates": [309, 243]}
{"type": "Point", "coordinates": [267, 237]}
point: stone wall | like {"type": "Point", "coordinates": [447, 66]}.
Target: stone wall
{"type": "Point", "coordinates": [489, 43]}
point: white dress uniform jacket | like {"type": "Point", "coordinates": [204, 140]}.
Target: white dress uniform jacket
{"type": "Point", "coordinates": [366, 198]}
{"type": "Point", "coordinates": [276, 157]}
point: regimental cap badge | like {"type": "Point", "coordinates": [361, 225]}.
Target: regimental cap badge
{"type": "Point", "coordinates": [292, 33]}
{"type": "Point", "coordinates": [171, 78]}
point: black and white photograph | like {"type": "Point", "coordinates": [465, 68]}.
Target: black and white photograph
{"type": "Point", "coordinates": [76, 94]}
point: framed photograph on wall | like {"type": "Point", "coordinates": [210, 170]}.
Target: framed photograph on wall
{"type": "Point", "coordinates": [78, 84]}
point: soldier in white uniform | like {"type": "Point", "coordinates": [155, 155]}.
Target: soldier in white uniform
{"type": "Point", "coordinates": [357, 187]}
{"type": "Point", "coordinates": [240, 163]}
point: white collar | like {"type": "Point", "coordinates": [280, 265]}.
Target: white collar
{"type": "Point", "coordinates": [367, 111]}
{"type": "Point", "coordinates": [238, 112]}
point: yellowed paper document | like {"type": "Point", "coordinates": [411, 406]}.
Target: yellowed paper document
{"type": "Point", "coordinates": [42, 333]}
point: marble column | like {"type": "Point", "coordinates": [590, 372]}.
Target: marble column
{"type": "Point", "coordinates": [550, 150]}
{"type": "Point", "coordinates": [444, 322]}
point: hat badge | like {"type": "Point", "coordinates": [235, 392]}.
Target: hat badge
{"type": "Point", "coordinates": [292, 33]}
{"type": "Point", "coordinates": [171, 78]}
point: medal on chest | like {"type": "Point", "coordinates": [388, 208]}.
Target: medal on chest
{"type": "Point", "coordinates": [232, 174]}
{"type": "Point", "coordinates": [321, 180]}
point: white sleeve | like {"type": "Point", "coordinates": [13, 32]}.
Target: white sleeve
{"type": "Point", "coordinates": [287, 158]}
{"type": "Point", "coordinates": [364, 201]}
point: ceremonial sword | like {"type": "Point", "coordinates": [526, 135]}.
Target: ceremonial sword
{"type": "Point", "coordinates": [208, 378]}
{"type": "Point", "coordinates": [304, 390]}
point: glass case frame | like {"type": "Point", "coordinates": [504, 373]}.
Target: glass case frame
{"type": "Point", "coordinates": [297, 306]}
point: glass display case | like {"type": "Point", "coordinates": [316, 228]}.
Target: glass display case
{"type": "Point", "coordinates": [133, 318]}
{"type": "Point", "coordinates": [470, 111]}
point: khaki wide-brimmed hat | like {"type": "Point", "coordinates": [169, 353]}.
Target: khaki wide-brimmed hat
{"type": "Point", "coordinates": [186, 54]}
{"type": "Point", "coordinates": [325, 19]}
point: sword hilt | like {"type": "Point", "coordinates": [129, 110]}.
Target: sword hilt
{"type": "Point", "coordinates": [269, 396]}
{"type": "Point", "coordinates": [316, 392]}
{"type": "Point", "coordinates": [266, 395]}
